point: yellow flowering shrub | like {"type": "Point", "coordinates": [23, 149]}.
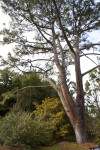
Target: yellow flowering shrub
{"type": "Point", "coordinates": [51, 110]}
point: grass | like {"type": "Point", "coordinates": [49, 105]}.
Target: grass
{"type": "Point", "coordinates": [68, 146]}
{"type": "Point", "coordinates": [62, 146]}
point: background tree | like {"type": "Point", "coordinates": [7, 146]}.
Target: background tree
{"type": "Point", "coordinates": [22, 90]}
{"type": "Point", "coordinates": [92, 89]}
{"type": "Point", "coordinates": [8, 81]}
{"type": "Point", "coordinates": [54, 32]}
{"type": "Point", "coordinates": [33, 89]}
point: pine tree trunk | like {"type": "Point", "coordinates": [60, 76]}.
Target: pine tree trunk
{"type": "Point", "coordinates": [80, 133]}
{"type": "Point", "coordinates": [79, 126]}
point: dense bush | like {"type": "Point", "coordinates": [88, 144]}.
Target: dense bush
{"type": "Point", "coordinates": [19, 129]}
{"type": "Point", "coordinates": [52, 111]}
{"type": "Point", "coordinates": [47, 124]}
{"type": "Point", "coordinates": [93, 126]}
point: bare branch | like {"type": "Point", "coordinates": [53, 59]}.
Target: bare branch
{"type": "Point", "coordinates": [40, 60]}
{"type": "Point", "coordinates": [32, 87]}
{"type": "Point", "coordinates": [90, 70]}
{"type": "Point", "coordinates": [90, 59]}
{"type": "Point", "coordinates": [89, 54]}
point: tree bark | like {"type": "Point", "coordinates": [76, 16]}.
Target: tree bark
{"type": "Point", "coordinates": [80, 126]}
{"type": "Point", "coordinates": [75, 113]}
{"type": "Point", "coordinates": [80, 133]}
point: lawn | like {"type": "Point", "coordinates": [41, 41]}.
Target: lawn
{"type": "Point", "coordinates": [60, 146]}
{"type": "Point", "coordinates": [69, 146]}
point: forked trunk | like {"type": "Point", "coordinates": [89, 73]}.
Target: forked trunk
{"type": "Point", "coordinates": [75, 111]}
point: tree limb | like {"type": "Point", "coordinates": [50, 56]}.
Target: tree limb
{"type": "Point", "coordinates": [90, 70]}
{"type": "Point", "coordinates": [71, 50]}
{"type": "Point", "coordinates": [90, 58]}
{"type": "Point", "coordinates": [89, 54]}
{"type": "Point", "coordinates": [32, 87]}
{"type": "Point", "coordinates": [91, 45]}
{"type": "Point", "coordinates": [62, 53]}
{"type": "Point", "coordinates": [54, 48]}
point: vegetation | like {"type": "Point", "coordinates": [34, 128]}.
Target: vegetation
{"type": "Point", "coordinates": [20, 130]}
{"type": "Point", "coordinates": [51, 110]}
{"type": "Point", "coordinates": [49, 36]}
{"type": "Point", "coordinates": [69, 146]}
{"type": "Point", "coordinates": [46, 123]}
{"type": "Point", "coordinates": [22, 89]}
{"type": "Point", "coordinates": [93, 104]}
{"type": "Point", "coordinates": [60, 29]}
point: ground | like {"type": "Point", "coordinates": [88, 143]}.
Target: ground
{"type": "Point", "coordinates": [60, 146]}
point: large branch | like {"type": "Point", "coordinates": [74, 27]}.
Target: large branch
{"type": "Point", "coordinates": [90, 70]}
{"type": "Point", "coordinates": [62, 53]}
{"type": "Point", "coordinates": [36, 47]}
{"type": "Point", "coordinates": [71, 50]}
{"type": "Point", "coordinates": [57, 88]}
{"type": "Point", "coordinates": [37, 26]}
{"type": "Point", "coordinates": [55, 49]}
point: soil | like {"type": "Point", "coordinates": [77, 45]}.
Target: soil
{"type": "Point", "coordinates": [8, 148]}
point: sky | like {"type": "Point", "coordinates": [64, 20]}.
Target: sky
{"type": "Point", "coordinates": [4, 22]}
{"type": "Point", "coordinates": [85, 65]}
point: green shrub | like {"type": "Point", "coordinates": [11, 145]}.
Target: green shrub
{"type": "Point", "coordinates": [12, 126]}
{"type": "Point", "coordinates": [20, 130]}
{"type": "Point", "coordinates": [52, 111]}
{"type": "Point", "coordinates": [47, 124]}
{"type": "Point", "coordinates": [93, 126]}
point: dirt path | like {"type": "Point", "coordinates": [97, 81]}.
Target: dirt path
{"type": "Point", "coordinates": [7, 148]}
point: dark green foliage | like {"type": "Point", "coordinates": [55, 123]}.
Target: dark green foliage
{"type": "Point", "coordinates": [9, 81]}
{"type": "Point", "coordinates": [22, 89]}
